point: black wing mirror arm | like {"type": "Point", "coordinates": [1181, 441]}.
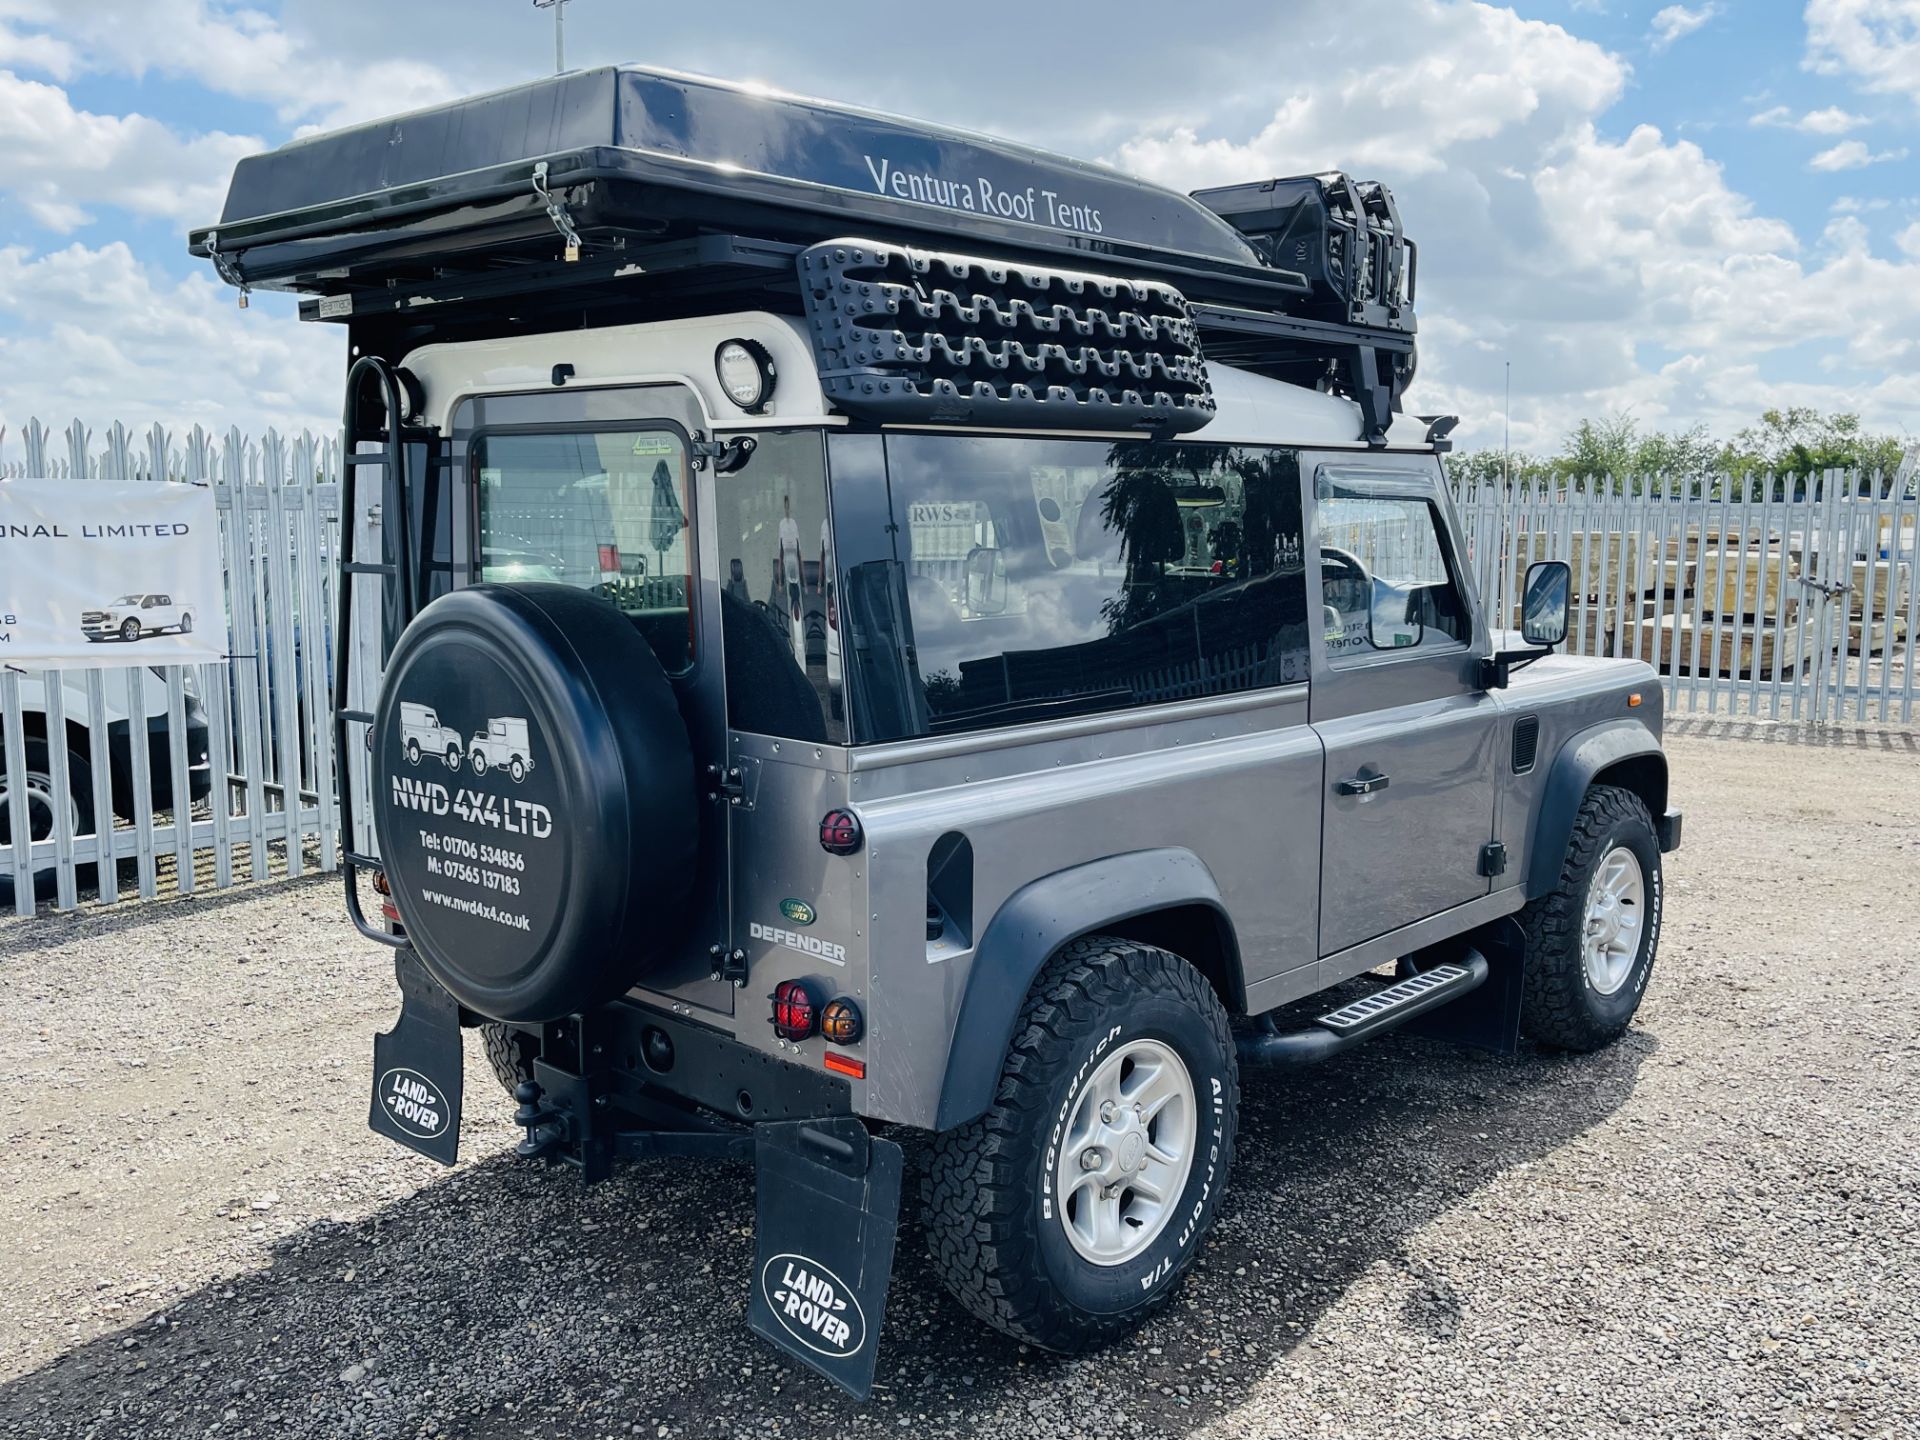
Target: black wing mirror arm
{"type": "Point", "coordinates": [1496, 669]}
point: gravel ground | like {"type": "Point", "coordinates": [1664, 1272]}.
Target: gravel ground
{"type": "Point", "coordinates": [1707, 1230]}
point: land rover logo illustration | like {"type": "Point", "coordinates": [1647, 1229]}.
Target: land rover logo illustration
{"type": "Point", "coordinates": [414, 1102]}
{"type": "Point", "coordinates": [798, 911]}
{"type": "Point", "coordinates": [504, 743]}
{"type": "Point", "coordinates": [813, 1305]}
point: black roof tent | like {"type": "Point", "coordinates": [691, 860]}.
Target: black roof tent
{"type": "Point", "coordinates": [625, 193]}
{"type": "Point", "coordinates": [808, 170]}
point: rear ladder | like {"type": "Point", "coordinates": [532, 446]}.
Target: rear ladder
{"type": "Point", "coordinates": [395, 567]}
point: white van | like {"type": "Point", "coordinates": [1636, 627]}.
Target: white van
{"type": "Point", "coordinates": [40, 795]}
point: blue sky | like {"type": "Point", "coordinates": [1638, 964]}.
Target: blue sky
{"type": "Point", "coordinates": [1689, 212]}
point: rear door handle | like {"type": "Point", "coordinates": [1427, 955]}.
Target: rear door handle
{"type": "Point", "coordinates": [1360, 785]}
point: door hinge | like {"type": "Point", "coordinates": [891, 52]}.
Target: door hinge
{"type": "Point", "coordinates": [728, 965]}
{"type": "Point", "coordinates": [732, 784]}
{"type": "Point", "coordinates": [1493, 858]}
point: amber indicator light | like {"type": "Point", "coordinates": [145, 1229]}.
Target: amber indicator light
{"type": "Point", "coordinates": [840, 1021]}
{"type": "Point", "coordinates": [1633, 700]}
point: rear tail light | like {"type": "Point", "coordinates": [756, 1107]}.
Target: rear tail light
{"type": "Point", "coordinates": [796, 1010]}
{"type": "Point", "coordinates": [610, 557]}
{"type": "Point", "coordinates": [840, 832]}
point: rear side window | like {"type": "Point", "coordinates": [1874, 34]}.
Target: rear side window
{"type": "Point", "coordinates": [1043, 578]}
{"type": "Point", "coordinates": [779, 596]}
{"type": "Point", "coordinates": [604, 510]}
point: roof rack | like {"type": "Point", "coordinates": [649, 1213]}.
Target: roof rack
{"type": "Point", "coordinates": [625, 193]}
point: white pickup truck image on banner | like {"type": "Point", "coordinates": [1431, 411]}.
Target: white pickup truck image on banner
{"type": "Point", "coordinates": [98, 573]}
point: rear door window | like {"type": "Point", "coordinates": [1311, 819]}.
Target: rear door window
{"type": "Point", "coordinates": [605, 510]}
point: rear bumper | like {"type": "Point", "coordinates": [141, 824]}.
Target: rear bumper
{"type": "Point", "coordinates": [1667, 827]}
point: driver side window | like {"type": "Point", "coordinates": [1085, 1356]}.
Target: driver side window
{"type": "Point", "coordinates": [1384, 579]}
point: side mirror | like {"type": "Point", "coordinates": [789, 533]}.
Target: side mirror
{"type": "Point", "coordinates": [1546, 601]}
{"type": "Point", "coordinates": [986, 575]}
{"type": "Point", "coordinates": [1393, 619]}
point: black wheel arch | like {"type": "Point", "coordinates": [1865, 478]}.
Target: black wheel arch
{"type": "Point", "coordinates": [1616, 752]}
{"type": "Point", "coordinates": [1166, 898]}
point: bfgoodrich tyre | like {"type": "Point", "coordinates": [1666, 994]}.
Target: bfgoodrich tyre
{"type": "Point", "coordinates": [1070, 1211]}
{"type": "Point", "coordinates": [1592, 939]}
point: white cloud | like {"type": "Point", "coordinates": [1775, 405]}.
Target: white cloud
{"type": "Point", "coordinates": [1830, 121]}
{"type": "Point", "coordinates": [97, 335]}
{"type": "Point", "coordinates": [1443, 76]}
{"type": "Point", "coordinates": [1676, 22]}
{"type": "Point", "coordinates": [59, 160]}
{"type": "Point", "coordinates": [1875, 43]}
{"type": "Point", "coordinates": [1577, 255]}
{"type": "Point", "coordinates": [24, 51]}
{"type": "Point", "coordinates": [240, 52]}
{"type": "Point", "coordinates": [1852, 155]}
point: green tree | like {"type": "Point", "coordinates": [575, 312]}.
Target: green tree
{"type": "Point", "coordinates": [1800, 441]}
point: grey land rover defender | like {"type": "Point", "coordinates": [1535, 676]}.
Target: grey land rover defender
{"type": "Point", "coordinates": [921, 632]}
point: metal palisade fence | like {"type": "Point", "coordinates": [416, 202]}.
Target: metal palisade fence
{"type": "Point", "coordinates": [1775, 598]}
{"type": "Point", "coordinates": [186, 775]}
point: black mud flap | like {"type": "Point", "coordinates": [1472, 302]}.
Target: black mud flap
{"type": "Point", "coordinates": [827, 1204]}
{"type": "Point", "coordinates": [417, 1067]}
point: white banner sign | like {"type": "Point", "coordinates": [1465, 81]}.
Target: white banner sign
{"type": "Point", "coordinates": [108, 572]}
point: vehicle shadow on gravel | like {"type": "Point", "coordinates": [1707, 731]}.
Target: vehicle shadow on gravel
{"type": "Point", "coordinates": [506, 1301]}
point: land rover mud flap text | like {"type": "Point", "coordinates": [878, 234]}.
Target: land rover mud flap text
{"type": "Point", "coordinates": [417, 1067]}
{"type": "Point", "coordinates": [827, 1204]}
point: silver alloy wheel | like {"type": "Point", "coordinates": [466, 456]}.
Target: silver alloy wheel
{"type": "Point", "coordinates": [1126, 1152]}
{"type": "Point", "coordinates": [42, 801]}
{"type": "Point", "coordinates": [1616, 916]}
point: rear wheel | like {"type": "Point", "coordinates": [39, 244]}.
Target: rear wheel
{"type": "Point", "coordinates": [1069, 1212]}
{"type": "Point", "coordinates": [186, 624]}
{"type": "Point", "coordinates": [510, 1054]}
{"type": "Point", "coordinates": [1591, 941]}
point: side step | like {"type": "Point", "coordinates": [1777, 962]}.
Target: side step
{"type": "Point", "coordinates": [1368, 1016]}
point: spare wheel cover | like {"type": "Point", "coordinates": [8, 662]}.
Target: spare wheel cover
{"type": "Point", "coordinates": [534, 898]}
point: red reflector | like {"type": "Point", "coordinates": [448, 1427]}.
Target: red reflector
{"type": "Point", "coordinates": [386, 909]}
{"type": "Point", "coordinates": [796, 1010]}
{"type": "Point", "coordinates": [846, 1065]}
{"type": "Point", "coordinates": [609, 557]}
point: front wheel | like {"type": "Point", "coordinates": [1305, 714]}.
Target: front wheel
{"type": "Point", "coordinates": [130, 630]}
{"type": "Point", "coordinates": [478, 760]}
{"type": "Point", "coordinates": [35, 802]}
{"type": "Point", "coordinates": [1070, 1211]}
{"type": "Point", "coordinates": [1592, 939]}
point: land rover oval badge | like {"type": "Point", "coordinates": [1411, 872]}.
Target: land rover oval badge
{"type": "Point", "coordinates": [797, 911]}
{"type": "Point", "coordinates": [414, 1102]}
{"type": "Point", "coordinates": [814, 1305]}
